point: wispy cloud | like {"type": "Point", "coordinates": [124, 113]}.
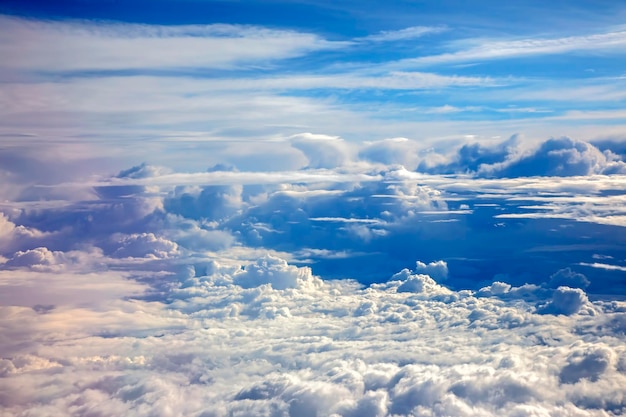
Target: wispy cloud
{"type": "Point", "coordinates": [75, 46]}
{"type": "Point", "coordinates": [490, 49]}
{"type": "Point", "coordinates": [409, 33]}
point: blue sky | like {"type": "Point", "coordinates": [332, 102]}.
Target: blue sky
{"type": "Point", "coordinates": [422, 70]}
{"type": "Point", "coordinates": [307, 208]}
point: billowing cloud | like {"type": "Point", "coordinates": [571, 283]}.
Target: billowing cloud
{"type": "Point", "coordinates": [330, 348]}
{"type": "Point", "coordinates": [322, 151]}
{"type": "Point", "coordinates": [353, 289]}
{"type": "Point", "coordinates": [276, 272]}
{"type": "Point", "coordinates": [141, 245]}
{"type": "Point", "coordinates": [221, 220]}
{"type": "Point", "coordinates": [554, 157]}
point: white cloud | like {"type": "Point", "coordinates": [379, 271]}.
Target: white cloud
{"type": "Point", "coordinates": [437, 270]}
{"type": "Point", "coordinates": [304, 349]}
{"type": "Point", "coordinates": [410, 33]}
{"type": "Point", "coordinates": [322, 151]}
{"type": "Point", "coordinates": [489, 49]}
{"type": "Point", "coordinates": [565, 300]}
{"type": "Point", "coordinates": [187, 292]}
{"type": "Point", "coordinates": [75, 45]}
{"type": "Point", "coordinates": [276, 272]}
{"type": "Point", "coordinates": [144, 245]}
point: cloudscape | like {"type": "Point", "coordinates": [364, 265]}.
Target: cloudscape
{"type": "Point", "coordinates": [305, 208]}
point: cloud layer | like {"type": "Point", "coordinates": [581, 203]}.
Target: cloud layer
{"type": "Point", "coordinates": [348, 287]}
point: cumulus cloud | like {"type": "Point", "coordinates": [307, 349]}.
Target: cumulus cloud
{"type": "Point", "coordinates": [565, 300]}
{"type": "Point", "coordinates": [142, 245]}
{"type": "Point", "coordinates": [560, 157]}
{"type": "Point", "coordinates": [436, 270]}
{"type": "Point", "coordinates": [302, 347]}
{"type": "Point", "coordinates": [291, 294]}
{"type": "Point", "coordinates": [35, 258]}
{"type": "Point", "coordinates": [569, 278]}
{"type": "Point", "coordinates": [392, 151]}
{"type": "Point", "coordinates": [276, 272]}
{"type": "Point", "coordinates": [322, 151]}
{"type": "Point", "coordinates": [589, 364]}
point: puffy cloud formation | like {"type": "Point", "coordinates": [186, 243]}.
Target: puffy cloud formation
{"type": "Point", "coordinates": [322, 151]}
{"type": "Point", "coordinates": [392, 151]}
{"type": "Point", "coordinates": [569, 278]}
{"type": "Point", "coordinates": [275, 272]}
{"type": "Point", "coordinates": [436, 270]}
{"type": "Point", "coordinates": [402, 348]}
{"type": "Point", "coordinates": [560, 157]}
{"type": "Point", "coordinates": [35, 257]}
{"type": "Point", "coordinates": [565, 300]}
{"type": "Point", "coordinates": [589, 364]}
{"type": "Point", "coordinates": [226, 293]}
{"type": "Point", "coordinates": [140, 245]}
{"type": "Point", "coordinates": [555, 157]}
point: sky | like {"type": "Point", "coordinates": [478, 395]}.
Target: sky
{"type": "Point", "coordinates": [308, 208]}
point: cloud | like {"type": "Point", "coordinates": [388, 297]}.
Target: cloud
{"type": "Point", "coordinates": [436, 270]}
{"type": "Point", "coordinates": [305, 349]}
{"type": "Point", "coordinates": [33, 45]}
{"type": "Point", "coordinates": [509, 159]}
{"type": "Point", "coordinates": [569, 278]}
{"type": "Point", "coordinates": [38, 257]}
{"type": "Point", "coordinates": [560, 157]}
{"type": "Point", "coordinates": [392, 151]}
{"type": "Point", "coordinates": [565, 300]}
{"type": "Point", "coordinates": [487, 50]}
{"type": "Point", "coordinates": [142, 245]}
{"type": "Point", "coordinates": [289, 293]}
{"type": "Point", "coordinates": [276, 272]}
{"type": "Point", "coordinates": [588, 364]}
{"type": "Point", "coordinates": [410, 33]}
{"type": "Point", "coordinates": [322, 151]}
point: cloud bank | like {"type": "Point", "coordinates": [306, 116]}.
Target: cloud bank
{"type": "Point", "coordinates": [349, 287]}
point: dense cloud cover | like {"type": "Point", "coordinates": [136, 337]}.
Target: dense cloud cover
{"type": "Point", "coordinates": [354, 286]}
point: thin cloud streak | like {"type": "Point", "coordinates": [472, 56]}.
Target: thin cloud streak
{"type": "Point", "coordinates": [613, 42]}
{"type": "Point", "coordinates": [33, 45]}
{"type": "Point", "coordinates": [409, 33]}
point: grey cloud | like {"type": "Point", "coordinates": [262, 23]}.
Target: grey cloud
{"type": "Point", "coordinates": [569, 278]}
{"type": "Point", "coordinates": [588, 364]}
{"type": "Point", "coordinates": [560, 157]}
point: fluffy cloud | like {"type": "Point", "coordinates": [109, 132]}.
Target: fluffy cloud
{"type": "Point", "coordinates": [436, 270]}
{"type": "Point", "coordinates": [554, 157]}
{"type": "Point", "coordinates": [35, 258]}
{"type": "Point", "coordinates": [309, 350]}
{"type": "Point", "coordinates": [143, 245]}
{"type": "Point", "coordinates": [589, 364]}
{"type": "Point", "coordinates": [322, 151]}
{"type": "Point", "coordinates": [565, 300]}
{"type": "Point", "coordinates": [276, 272]}
{"type": "Point", "coordinates": [217, 293]}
